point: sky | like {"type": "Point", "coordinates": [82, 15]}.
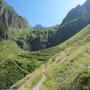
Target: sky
{"type": "Point", "coordinates": [44, 12]}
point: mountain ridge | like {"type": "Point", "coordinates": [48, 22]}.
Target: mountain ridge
{"type": "Point", "coordinates": [75, 20]}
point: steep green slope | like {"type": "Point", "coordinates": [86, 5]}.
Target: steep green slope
{"type": "Point", "coordinates": [16, 63]}
{"type": "Point", "coordinates": [71, 69]}
{"type": "Point", "coordinates": [67, 70]}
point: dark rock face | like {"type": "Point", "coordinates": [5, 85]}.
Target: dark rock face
{"type": "Point", "coordinates": [9, 18]}
{"type": "Point", "coordinates": [3, 26]}
{"type": "Point", "coordinates": [1, 8]}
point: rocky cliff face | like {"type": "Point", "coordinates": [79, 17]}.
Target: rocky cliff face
{"type": "Point", "coordinates": [11, 18]}
{"type": "Point", "coordinates": [3, 26]}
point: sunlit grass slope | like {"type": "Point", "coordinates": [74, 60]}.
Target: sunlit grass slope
{"type": "Point", "coordinates": [71, 69]}
{"type": "Point", "coordinates": [68, 67]}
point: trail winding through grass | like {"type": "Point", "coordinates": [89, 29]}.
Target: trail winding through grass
{"type": "Point", "coordinates": [40, 82]}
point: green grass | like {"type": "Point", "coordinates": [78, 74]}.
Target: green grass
{"type": "Point", "coordinates": [68, 69]}
{"type": "Point", "coordinates": [16, 63]}
{"type": "Point", "coordinates": [71, 71]}
{"type": "Point", "coordinates": [67, 63]}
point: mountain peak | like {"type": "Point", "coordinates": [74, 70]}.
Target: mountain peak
{"type": "Point", "coordinates": [38, 26]}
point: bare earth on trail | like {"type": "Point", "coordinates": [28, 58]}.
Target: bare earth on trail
{"type": "Point", "coordinates": [39, 83]}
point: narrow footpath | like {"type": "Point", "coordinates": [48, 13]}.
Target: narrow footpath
{"type": "Point", "coordinates": [39, 83]}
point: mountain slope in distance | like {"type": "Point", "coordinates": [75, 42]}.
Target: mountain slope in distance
{"type": "Point", "coordinates": [75, 20]}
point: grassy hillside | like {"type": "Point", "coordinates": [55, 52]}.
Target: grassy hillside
{"type": "Point", "coordinates": [16, 63]}
{"type": "Point", "coordinates": [69, 62]}
{"type": "Point", "coordinates": [70, 68]}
